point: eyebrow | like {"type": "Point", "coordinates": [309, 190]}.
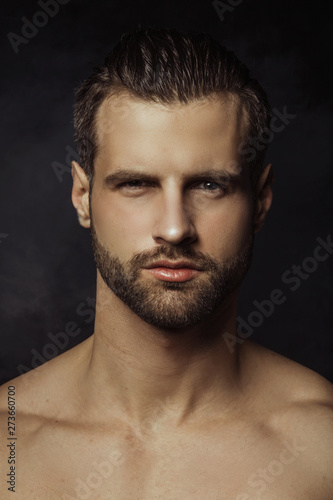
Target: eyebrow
{"type": "Point", "coordinates": [124, 175]}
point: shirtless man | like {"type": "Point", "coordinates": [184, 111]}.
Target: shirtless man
{"type": "Point", "coordinates": [154, 405]}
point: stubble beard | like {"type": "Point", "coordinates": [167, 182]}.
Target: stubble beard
{"type": "Point", "coordinates": [167, 304]}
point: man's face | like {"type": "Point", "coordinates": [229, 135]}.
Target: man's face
{"type": "Point", "coordinates": [168, 187]}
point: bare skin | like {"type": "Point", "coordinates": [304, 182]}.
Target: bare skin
{"type": "Point", "coordinates": [144, 412]}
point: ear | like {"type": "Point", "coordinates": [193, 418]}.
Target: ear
{"type": "Point", "coordinates": [80, 194]}
{"type": "Point", "coordinates": [264, 196]}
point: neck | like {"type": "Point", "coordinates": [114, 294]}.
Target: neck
{"type": "Point", "coordinates": [173, 373]}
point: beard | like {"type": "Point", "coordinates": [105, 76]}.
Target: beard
{"type": "Point", "coordinates": [167, 304]}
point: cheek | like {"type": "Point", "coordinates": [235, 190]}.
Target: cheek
{"type": "Point", "coordinates": [123, 229]}
{"type": "Point", "coordinates": [226, 233]}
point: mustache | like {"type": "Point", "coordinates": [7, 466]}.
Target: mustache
{"type": "Point", "coordinates": [198, 258]}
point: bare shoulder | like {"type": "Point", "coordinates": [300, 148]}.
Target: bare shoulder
{"type": "Point", "coordinates": [38, 392]}
{"type": "Point", "coordinates": [298, 404]}
{"type": "Point", "coordinates": [31, 404]}
{"type": "Point", "coordinates": [302, 381]}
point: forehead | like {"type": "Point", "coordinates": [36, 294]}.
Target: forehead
{"type": "Point", "coordinates": [199, 132]}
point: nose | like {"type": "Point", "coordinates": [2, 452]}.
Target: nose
{"type": "Point", "coordinates": [173, 224]}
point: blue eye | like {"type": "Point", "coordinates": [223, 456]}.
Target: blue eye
{"type": "Point", "coordinates": [210, 189]}
{"type": "Point", "coordinates": [211, 186]}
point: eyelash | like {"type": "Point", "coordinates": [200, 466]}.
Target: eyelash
{"type": "Point", "coordinates": [125, 184]}
{"type": "Point", "coordinates": [147, 183]}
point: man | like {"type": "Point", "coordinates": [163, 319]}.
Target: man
{"type": "Point", "coordinates": [154, 405]}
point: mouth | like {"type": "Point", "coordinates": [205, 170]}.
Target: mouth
{"type": "Point", "coordinates": [168, 264]}
{"type": "Point", "coordinates": [179, 271]}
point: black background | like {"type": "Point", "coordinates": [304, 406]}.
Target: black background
{"type": "Point", "coordinates": [47, 272]}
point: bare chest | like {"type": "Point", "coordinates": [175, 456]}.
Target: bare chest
{"type": "Point", "coordinates": [69, 465]}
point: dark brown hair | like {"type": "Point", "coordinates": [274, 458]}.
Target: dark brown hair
{"type": "Point", "coordinates": [167, 66]}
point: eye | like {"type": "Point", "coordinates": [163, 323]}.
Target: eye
{"type": "Point", "coordinates": [211, 186]}
{"type": "Point", "coordinates": [135, 187]}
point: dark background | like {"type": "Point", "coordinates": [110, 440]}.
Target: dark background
{"type": "Point", "coordinates": [47, 273]}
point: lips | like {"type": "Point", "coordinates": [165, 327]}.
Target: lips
{"type": "Point", "coordinates": [166, 270]}
{"type": "Point", "coordinates": [173, 265]}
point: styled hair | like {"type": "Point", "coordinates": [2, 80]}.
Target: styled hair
{"type": "Point", "coordinates": [167, 66]}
